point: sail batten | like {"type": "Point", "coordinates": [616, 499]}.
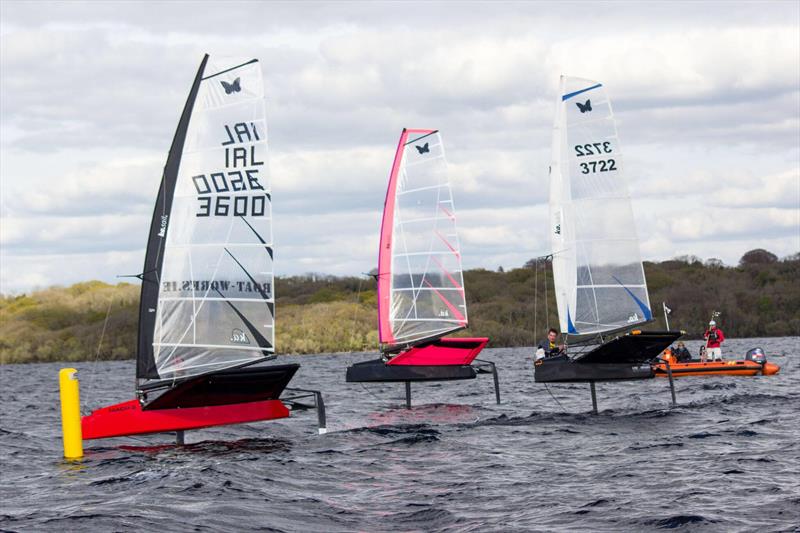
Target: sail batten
{"type": "Point", "coordinates": [597, 269]}
{"type": "Point", "coordinates": [420, 281]}
{"type": "Point", "coordinates": [210, 302]}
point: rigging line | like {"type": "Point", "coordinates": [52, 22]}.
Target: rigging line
{"type": "Point", "coordinates": [99, 344]}
{"type": "Point", "coordinates": [370, 392]}
{"type": "Point", "coordinates": [594, 290]}
{"type": "Point", "coordinates": [355, 307]}
{"type": "Point", "coordinates": [554, 398]}
{"type": "Point", "coordinates": [143, 441]}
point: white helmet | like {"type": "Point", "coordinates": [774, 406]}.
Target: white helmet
{"type": "Point", "coordinates": [712, 323]}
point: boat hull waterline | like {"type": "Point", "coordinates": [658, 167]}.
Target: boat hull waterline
{"type": "Point", "coordinates": [562, 369]}
{"type": "Point", "coordinates": [128, 418]}
{"type": "Point", "coordinates": [233, 396]}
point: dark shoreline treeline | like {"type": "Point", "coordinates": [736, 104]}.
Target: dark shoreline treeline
{"type": "Point", "coordinates": [319, 313]}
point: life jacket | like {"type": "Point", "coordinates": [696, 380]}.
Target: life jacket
{"type": "Point", "coordinates": [715, 337]}
{"type": "Point", "coordinates": [550, 348]}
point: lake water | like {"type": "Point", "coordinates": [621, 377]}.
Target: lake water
{"type": "Point", "coordinates": [726, 459]}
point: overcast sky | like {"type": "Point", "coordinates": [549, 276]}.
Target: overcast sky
{"type": "Point", "coordinates": [707, 97]}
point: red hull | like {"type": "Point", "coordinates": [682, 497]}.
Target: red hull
{"type": "Point", "coordinates": [128, 418]}
{"type": "Point", "coordinates": [444, 352]}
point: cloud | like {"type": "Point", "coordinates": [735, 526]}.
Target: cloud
{"type": "Point", "coordinates": [95, 187]}
{"type": "Point", "coordinates": [25, 272]}
{"type": "Point", "coordinates": [707, 99]}
{"type": "Point", "coordinates": [65, 235]}
{"type": "Point", "coordinates": [777, 190]}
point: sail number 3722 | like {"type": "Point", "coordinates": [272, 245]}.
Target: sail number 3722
{"type": "Point", "coordinates": [603, 165]}
{"type": "Point", "coordinates": [595, 149]}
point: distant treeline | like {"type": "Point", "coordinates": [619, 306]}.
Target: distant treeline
{"type": "Point", "coordinates": [318, 313]}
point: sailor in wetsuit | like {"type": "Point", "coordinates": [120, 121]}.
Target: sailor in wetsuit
{"type": "Point", "coordinates": [549, 347]}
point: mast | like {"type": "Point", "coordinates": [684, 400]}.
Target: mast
{"type": "Point", "coordinates": [385, 247]}
{"type": "Point", "coordinates": [154, 257]}
{"type": "Point", "coordinates": [420, 281]}
{"type": "Point", "coordinates": [597, 267]}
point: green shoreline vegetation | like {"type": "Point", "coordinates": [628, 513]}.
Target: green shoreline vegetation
{"type": "Point", "coordinates": [320, 314]}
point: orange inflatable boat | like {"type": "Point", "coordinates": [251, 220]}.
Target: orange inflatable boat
{"type": "Point", "coordinates": [754, 363]}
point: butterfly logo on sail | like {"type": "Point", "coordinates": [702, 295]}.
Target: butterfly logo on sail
{"type": "Point", "coordinates": [422, 149]}
{"type": "Point", "coordinates": [239, 337]}
{"type": "Point", "coordinates": [585, 106]}
{"type": "Point", "coordinates": [233, 87]}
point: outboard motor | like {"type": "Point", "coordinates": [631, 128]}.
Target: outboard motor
{"type": "Point", "coordinates": [756, 355]}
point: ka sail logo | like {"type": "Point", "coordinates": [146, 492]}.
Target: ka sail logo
{"type": "Point", "coordinates": [162, 231]}
{"type": "Point", "coordinates": [239, 337]}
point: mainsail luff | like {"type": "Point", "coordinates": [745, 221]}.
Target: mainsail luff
{"type": "Point", "coordinates": [385, 248]}
{"type": "Point", "coordinates": [154, 256]}
{"type": "Point", "coordinates": [420, 283]}
{"type": "Point", "coordinates": [211, 293]}
{"type": "Point", "coordinates": [597, 269]}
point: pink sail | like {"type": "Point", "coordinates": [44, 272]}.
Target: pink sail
{"type": "Point", "coordinates": [420, 282]}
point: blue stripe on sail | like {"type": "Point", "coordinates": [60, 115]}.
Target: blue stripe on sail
{"type": "Point", "coordinates": [576, 93]}
{"type": "Point", "coordinates": [570, 325]}
{"type": "Point", "coordinates": [648, 315]}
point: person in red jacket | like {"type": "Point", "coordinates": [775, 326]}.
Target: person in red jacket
{"type": "Point", "coordinates": [714, 339]}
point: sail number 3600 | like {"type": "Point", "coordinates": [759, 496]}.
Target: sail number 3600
{"type": "Point", "coordinates": [250, 203]}
{"type": "Point", "coordinates": [238, 206]}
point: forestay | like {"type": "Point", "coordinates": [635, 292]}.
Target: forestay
{"type": "Point", "coordinates": [210, 249]}
{"type": "Point", "coordinates": [420, 283]}
{"type": "Point", "coordinates": [597, 268]}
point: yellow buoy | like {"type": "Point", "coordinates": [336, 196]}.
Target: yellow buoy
{"type": "Point", "coordinates": [70, 413]}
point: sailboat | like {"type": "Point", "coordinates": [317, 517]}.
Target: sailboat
{"type": "Point", "coordinates": [207, 309]}
{"type": "Point", "coordinates": [421, 296]}
{"type": "Point", "coordinates": [599, 278]}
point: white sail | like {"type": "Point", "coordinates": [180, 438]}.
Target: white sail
{"type": "Point", "coordinates": [215, 306]}
{"type": "Point", "coordinates": [421, 284]}
{"type": "Point", "coordinates": [597, 268]}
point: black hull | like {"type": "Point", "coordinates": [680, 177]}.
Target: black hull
{"type": "Point", "coordinates": [378, 371]}
{"type": "Point", "coordinates": [240, 385]}
{"type": "Point", "coordinates": [632, 348]}
{"type": "Point", "coordinates": [562, 369]}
